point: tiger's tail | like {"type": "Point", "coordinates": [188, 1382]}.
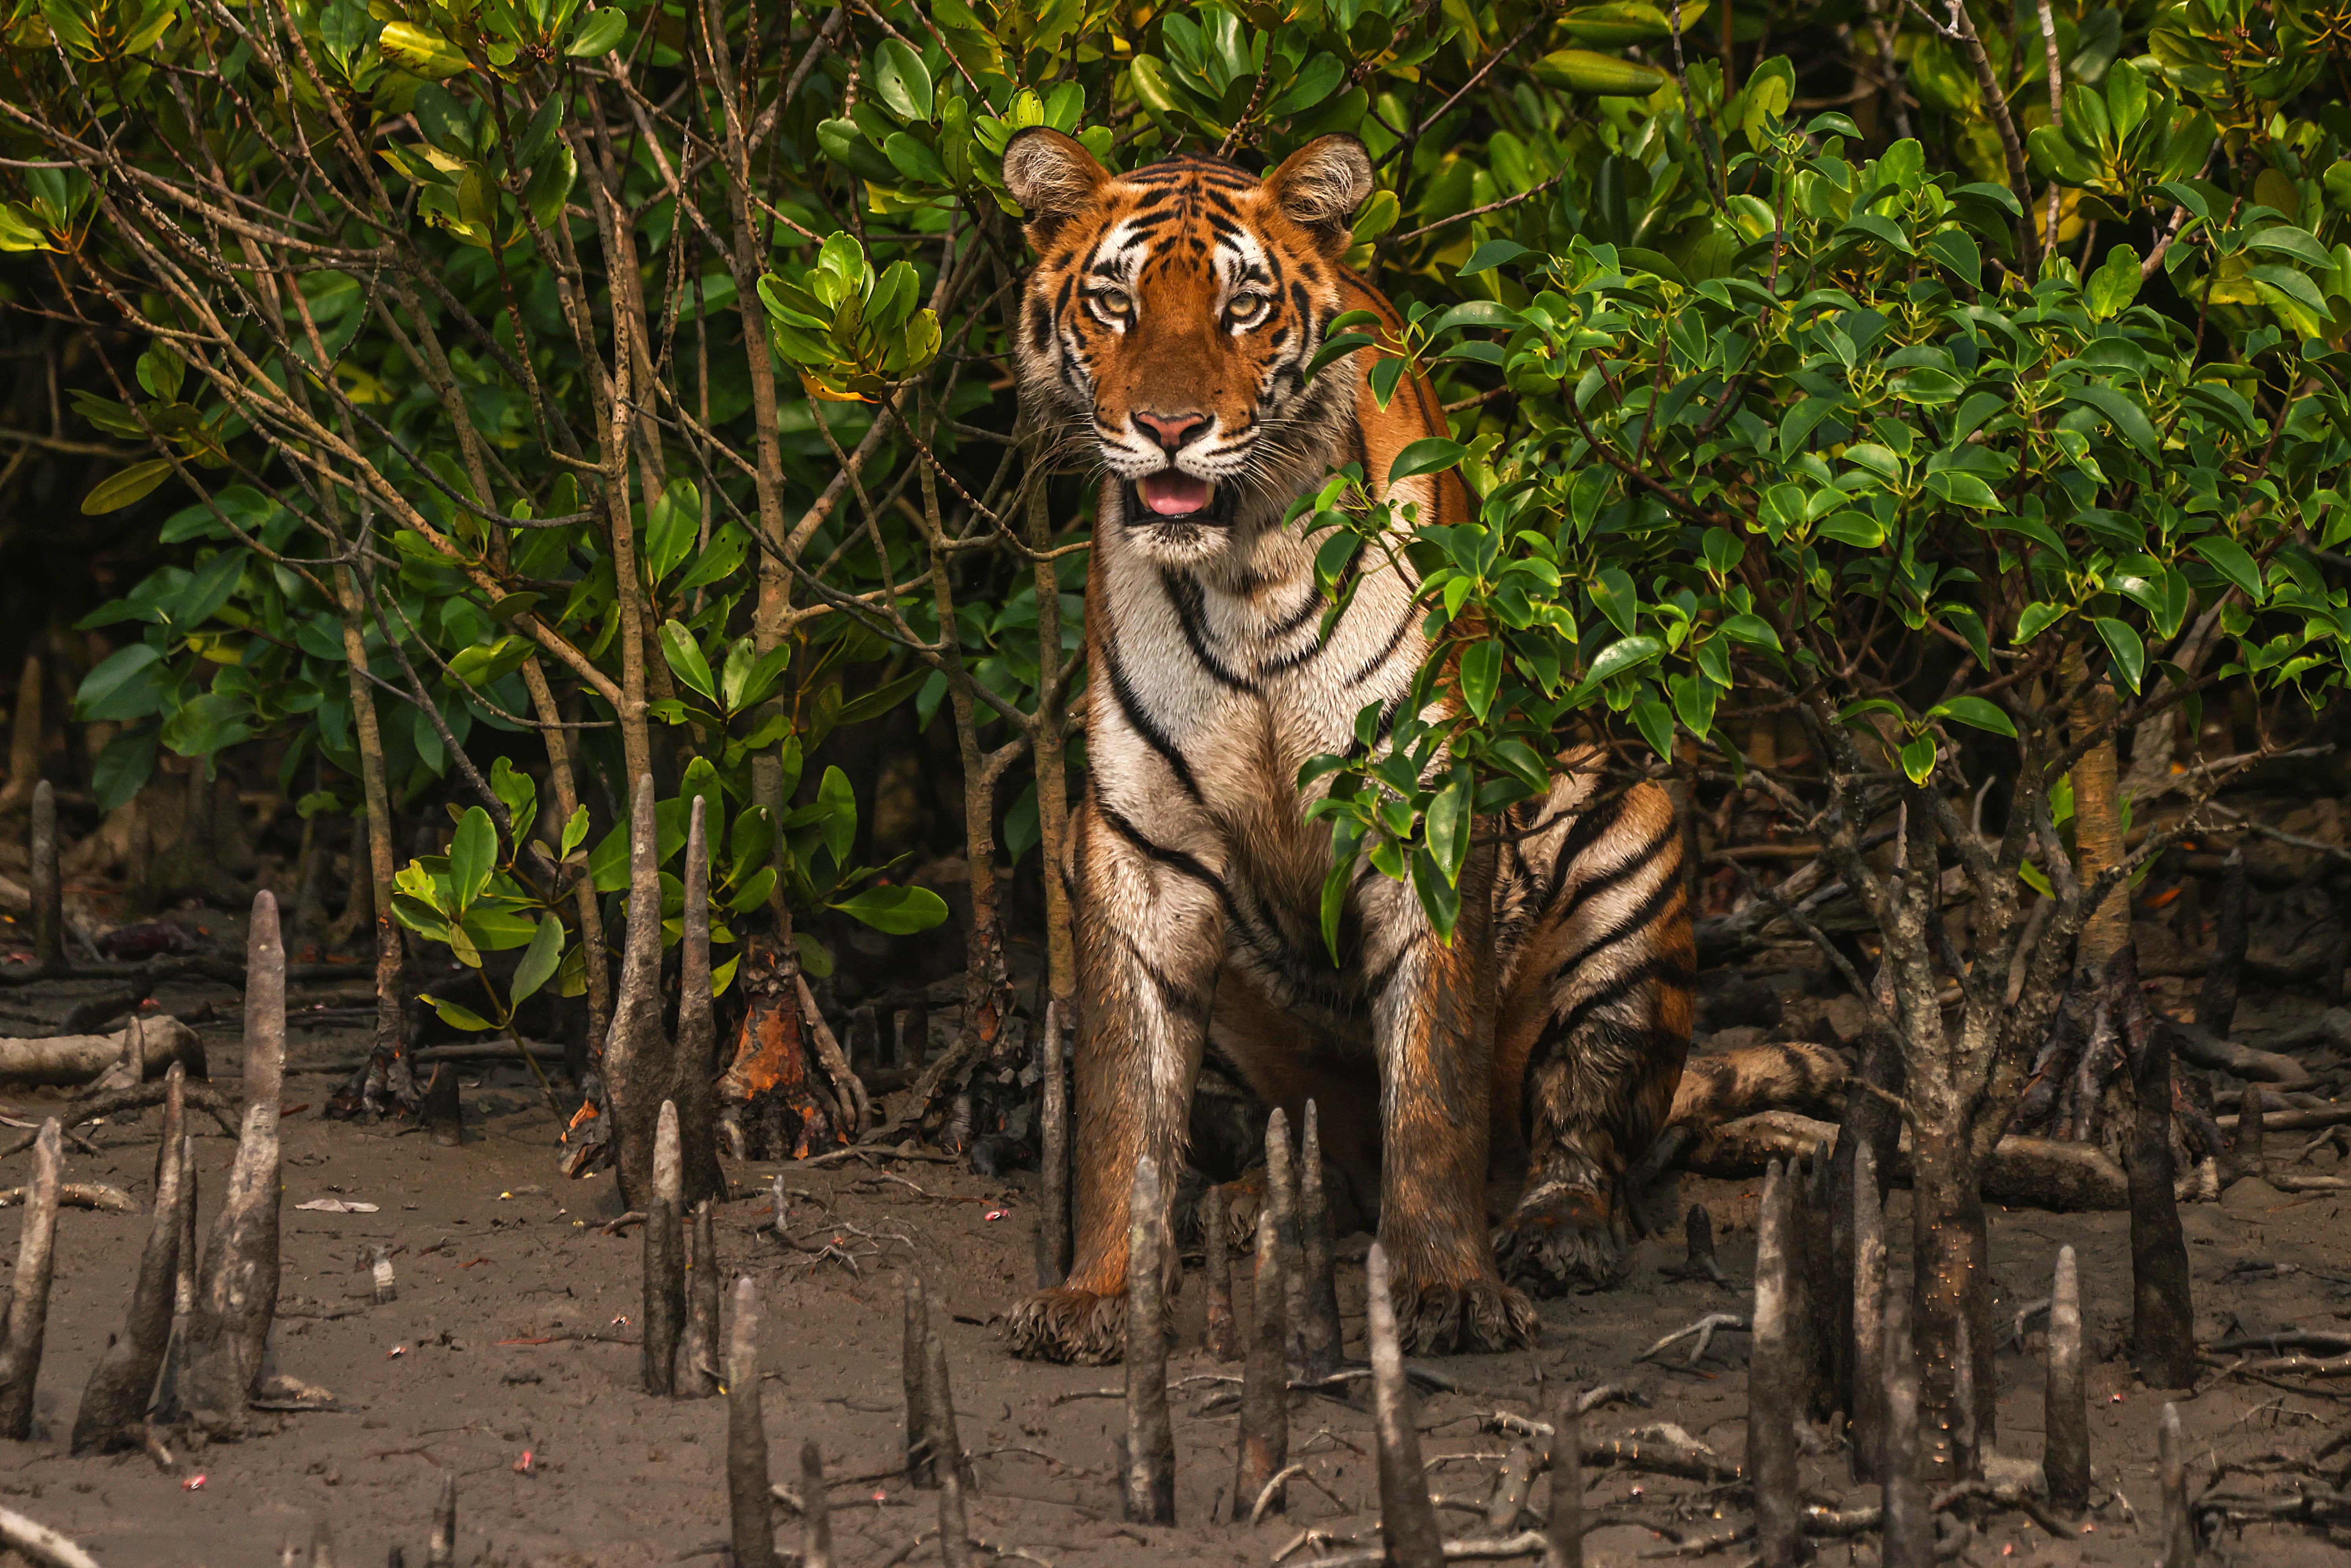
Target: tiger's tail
{"type": "Point", "coordinates": [1723, 1087]}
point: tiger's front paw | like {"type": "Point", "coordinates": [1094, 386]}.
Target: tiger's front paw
{"type": "Point", "coordinates": [1563, 1237]}
{"type": "Point", "coordinates": [1076, 1327]}
{"type": "Point", "coordinates": [1462, 1317]}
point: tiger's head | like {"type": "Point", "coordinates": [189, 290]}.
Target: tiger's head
{"type": "Point", "coordinates": [1172, 314]}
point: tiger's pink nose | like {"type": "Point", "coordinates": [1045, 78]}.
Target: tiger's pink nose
{"type": "Point", "coordinates": [1172, 429]}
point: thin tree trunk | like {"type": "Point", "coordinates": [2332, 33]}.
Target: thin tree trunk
{"type": "Point", "coordinates": [1048, 752]}
{"type": "Point", "coordinates": [2097, 826]}
{"type": "Point", "coordinates": [24, 738]}
{"type": "Point", "coordinates": [567, 802]}
{"type": "Point", "coordinates": [386, 1082]}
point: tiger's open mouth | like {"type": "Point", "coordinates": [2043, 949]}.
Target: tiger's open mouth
{"type": "Point", "coordinates": [1173, 494]}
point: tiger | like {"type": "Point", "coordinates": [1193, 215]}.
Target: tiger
{"type": "Point", "coordinates": [1169, 323]}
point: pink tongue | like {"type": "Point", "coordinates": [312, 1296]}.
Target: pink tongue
{"type": "Point", "coordinates": [1172, 494]}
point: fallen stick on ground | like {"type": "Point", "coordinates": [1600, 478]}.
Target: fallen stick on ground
{"type": "Point", "coordinates": [41, 1544]}
{"type": "Point", "coordinates": [81, 1112]}
{"type": "Point", "coordinates": [79, 1195]}
{"type": "Point", "coordinates": [2034, 1172]}
{"type": "Point", "coordinates": [66, 1060]}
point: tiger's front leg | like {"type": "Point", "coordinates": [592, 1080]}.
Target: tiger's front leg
{"type": "Point", "coordinates": [1435, 1062]}
{"type": "Point", "coordinates": [1150, 938]}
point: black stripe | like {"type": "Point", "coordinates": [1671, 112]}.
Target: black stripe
{"type": "Point", "coordinates": [1130, 707]}
{"type": "Point", "coordinates": [1631, 867]}
{"type": "Point", "coordinates": [1184, 590]}
{"type": "Point", "coordinates": [1647, 911]}
{"type": "Point", "coordinates": [1174, 860]}
{"type": "Point", "coordinates": [1581, 835]}
{"type": "Point", "coordinates": [1405, 623]}
{"type": "Point", "coordinates": [1308, 608]}
{"type": "Point", "coordinates": [1242, 924]}
{"type": "Point", "coordinates": [1183, 1002]}
{"type": "Point", "coordinates": [1654, 967]}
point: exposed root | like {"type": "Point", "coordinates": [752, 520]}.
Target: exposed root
{"type": "Point", "coordinates": [1704, 1329]}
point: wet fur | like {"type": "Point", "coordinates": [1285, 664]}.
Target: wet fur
{"type": "Point", "coordinates": [1542, 1045]}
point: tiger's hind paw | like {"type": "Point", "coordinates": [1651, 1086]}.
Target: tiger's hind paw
{"type": "Point", "coordinates": [1074, 1327]}
{"type": "Point", "coordinates": [1562, 1237]}
{"type": "Point", "coordinates": [1469, 1317]}
{"type": "Point", "coordinates": [1245, 1200]}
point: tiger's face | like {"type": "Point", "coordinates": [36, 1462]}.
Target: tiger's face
{"type": "Point", "coordinates": [1173, 312]}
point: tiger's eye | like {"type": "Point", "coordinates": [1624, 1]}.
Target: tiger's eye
{"type": "Point", "coordinates": [1115, 300]}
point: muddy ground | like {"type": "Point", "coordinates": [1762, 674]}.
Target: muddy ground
{"type": "Point", "coordinates": [513, 1335]}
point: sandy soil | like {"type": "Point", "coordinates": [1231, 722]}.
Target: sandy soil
{"type": "Point", "coordinates": [513, 1335]}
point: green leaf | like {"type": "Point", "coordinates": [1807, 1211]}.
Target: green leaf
{"type": "Point", "coordinates": [1491, 255]}
{"type": "Point", "coordinates": [1440, 900]}
{"type": "Point", "coordinates": [1481, 674]}
{"type": "Point", "coordinates": [669, 532]}
{"type": "Point", "coordinates": [132, 486]}
{"type": "Point", "coordinates": [684, 656]}
{"type": "Point", "coordinates": [599, 34]}
{"type": "Point", "coordinates": [881, 699]}
{"type": "Point", "coordinates": [420, 51]}
{"type": "Point", "coordinates": [901, 80]}
{"type": "Point", "coordinates": [2114, 286]}
{"type": "Point", "coordinates": [1918, 758]}
{"type": "Point", "coordinates": [124, 768]}
{"type": "Point", "coordinates": [1336, 884]}
{"type": "Point", "coordinates": [2128, 418]}
{"type": "Point", "coordinates": [473, 856]}
{"type": "Point", "coordinates": [575, 832]}
{"type": "Point", "coordinates": [2233, 561]}
{"type": "Point", "coordinates": [753, 892]}
{"type": "Point", "coordinates": [1447, 825]}
{"type": "Point", "coordinates": [2123, 642]}
{"type": "Point", "coordinates": [836, 805]}
{"type": "Point", "coordinates": [1429, 455]}
{"type": "Point", "coordinates": [1625, 653]}
{"type": "Point", "coordinates": [1654, 720]}
{"type": "Point", "coordinates": [114, 690]}
{"type": "Point", "coordinates": [458, 1016]}
{"type": "Point", "coordinates": [900, 911]}
{"type": "Point", "coordinates": [540, 960]}
{"type": "Point", "coordinates": [1979, 712]}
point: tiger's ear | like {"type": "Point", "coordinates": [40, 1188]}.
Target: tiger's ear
{"type": "Point", "coordinates": [1321, 185]}
{"type": "Point", "coordinates": [1053, 178]}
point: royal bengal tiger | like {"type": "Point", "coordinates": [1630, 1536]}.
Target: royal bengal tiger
{"type": "Point", "coordinates": [1169, 322]}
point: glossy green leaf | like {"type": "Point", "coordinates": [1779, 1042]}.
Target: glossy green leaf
{"type": "Point", "coordinates": [2129, 653]}
{"type": "Point", "coordinates": [901, 910]}
{"type": "Point", "coordinates": [540, 960]}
